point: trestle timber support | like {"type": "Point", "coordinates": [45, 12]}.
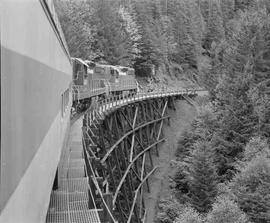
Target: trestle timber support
{"type": "Point", "coordinates": [119, 150]}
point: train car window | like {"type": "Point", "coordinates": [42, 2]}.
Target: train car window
{"type": "Point", "coordinates": [99, 70]}
{"type": "Point", "coordinates": [131, 72]}
{"type": "Point", "coordinates": [85, 79]}
{"type": "Point", "coordinates": [75, 77]}
{"type": "Point", "coordinates": [76, 71]}
{"type": "Point", "coordinates": [90, 71]}
{"type": "Point", "coordinates": [91, 64]}
{"type": "Point", "coordinates": [124, 69]}
{"type": "Point", "coordinates": [117, 74]}
{"type": "Point", "coordinates": [80, 73]}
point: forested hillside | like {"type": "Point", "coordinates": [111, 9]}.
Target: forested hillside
{"type": "Point", "coordinates": [223, 161]}
{"type": "Point", "coordinates": [173, 38]}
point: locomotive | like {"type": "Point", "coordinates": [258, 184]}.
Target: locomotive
{"type": "Point", "coordinates": [93, 81]}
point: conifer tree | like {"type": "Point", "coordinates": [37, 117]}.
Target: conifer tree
{"type": "Point", "coordinates": [132, 29]}
{"type": "Point", "coordinates": [225, 210]}
{"type": "Point", "coordinates": [256, 147]}
{"type": "Point", "coordinates": [189, 30]}
{"type": "Point", "coordinates": [189, 215]}
{"type": "Point", "coordinates": [169, 210]}
{"type": "Point", "coordinates": [202, 177]}
{"type": "Point", "coordinates": [252, 188]}
{"type": "Point", "coordinates": [238, 119]}
{"type": "Point", "coordinates": [111, 39]}
{"type": "Point", "coordinates": [215, 29]}
{"type": "Point", "coordinates": [79, 33]}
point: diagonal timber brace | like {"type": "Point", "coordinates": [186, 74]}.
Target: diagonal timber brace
{"type": "Point", "coordinates": [120, 148]}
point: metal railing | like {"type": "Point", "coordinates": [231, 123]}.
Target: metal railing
{"type": "Point", "coordinates": [88, 154]}
{"type": "Point", "coordinates": [114, 101]}
{"type": "Point", "coordinates": [97, 87]}
{"type": "Point", "coordinates": [102, 86]}
{"type": "Point", "coordinates": [124, 83]}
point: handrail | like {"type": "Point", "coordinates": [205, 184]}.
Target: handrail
{"type": "Point", "coordinates": [93, 177]}
{"type": "Point", "coordinates": [113, 101]}
{"type": "Point", "coordinates": [90, 189]}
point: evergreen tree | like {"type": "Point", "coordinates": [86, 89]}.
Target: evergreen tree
{"type": "Point", "coordinates": [132, 29]}
{"type": "Point", "coordinates": [169, 210]}
{"type": "Point", "coordinates": [80, 34]}
{"type": "Point", "coordinates": [189, 29]}
{"type": "Point", "coordinates": [202, 130]}
{"type": "Point", "coordinates": [227, 10]}
{"type": "Point", "coordinates": [256, 147]}
{"type": "Point", "coordinates": [202, 177]}
{"type": "Point", "coordinates": [252, 188]}
{"type": "Point", "coordinates": [148, 57]}
{"type": "Point", "coordinates": [238, 119]}
{"type": "Point", "coordinates": [189, 215]}
{"type": "Point", "coordinates": [260, 79]}
{"type": "Point", "coordinates": [225, 210]}
{"type": "Point", "coordinates": [111, 39]}
{"type": "Point", "coordinates": [215, 29]}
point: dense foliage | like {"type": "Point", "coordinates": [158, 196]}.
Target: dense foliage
{"type": "Point", "coordinates": [225, 47]}
{"type": "Point", "coordinates": [226, 211]}
{"type": "Point", "coordinates": [155, 36]}
{"type": "Point", "coordinates": [235, 122]}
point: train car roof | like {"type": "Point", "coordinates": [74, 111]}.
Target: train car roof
{"type": "Point", "coordinates": [80, 61]}
{"type": "Point", "coordinates": [122, 67]}
{"type": "Point", "coordinates": [104, 65]}
{"type": "Point", "coordinates": [119, 66]}
{"type": "Point", "coordinates": [49, 9]}
{"type": "Point", "coordinates": [90, 63]}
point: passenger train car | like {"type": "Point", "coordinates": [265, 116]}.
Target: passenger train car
{"type": "Point", "coordinates": [36, 78]}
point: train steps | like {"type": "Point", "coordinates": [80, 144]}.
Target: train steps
{"type": "Point", "coordinates": [69, 203]}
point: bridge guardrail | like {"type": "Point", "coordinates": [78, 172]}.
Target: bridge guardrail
{"type": "Point", "coordinates": [81, 92]}
{"type": "Point", "coordinates": [112, 102]}
{"type": "Point", "coordinates": [92, 179]}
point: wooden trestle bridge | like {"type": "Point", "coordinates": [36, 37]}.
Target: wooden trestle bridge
{"type": "Point", "coordinates": [120, 136]}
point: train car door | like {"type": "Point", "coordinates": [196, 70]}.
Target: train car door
{"type": "Point", "coordinates": [77, 73]}
{"type": "Point", "coordinates": [85, 76]}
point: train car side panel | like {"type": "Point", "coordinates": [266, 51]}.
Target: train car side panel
{"type": "Point", "coordinates": [35, 73]}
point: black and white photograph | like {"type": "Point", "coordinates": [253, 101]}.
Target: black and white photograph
{"type": "Point", "coordinates": [135, 111]}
